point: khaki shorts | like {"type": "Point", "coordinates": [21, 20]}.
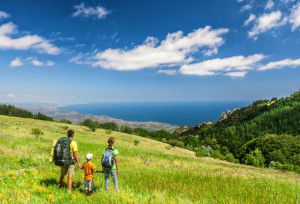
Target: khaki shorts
{"type": "Point", "coordinates": [67, 170]}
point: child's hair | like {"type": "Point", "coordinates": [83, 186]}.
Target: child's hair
{"type": "Point", "coordinates": [111, 140]}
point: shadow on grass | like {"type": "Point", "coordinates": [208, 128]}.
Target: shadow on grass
{"type": "Point", "coordinates": [48, 182]}
{"type": "Point", "coordinates": [53, 182]}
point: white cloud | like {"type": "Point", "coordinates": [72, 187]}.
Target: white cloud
{"type": "Point", "coordinates": [246, 7]}
{"type": "Point", "coordinates": [266, 22]}
{"type": "Point", "coordinates": [97, 12]}
{"type": "Point", "coordinates": [281, 64]}
{"type": "Point", "coordinates": [26, 42]}
{"type": "Point", "coordinates": [176, 49]}
{"type": "Point", "coordinates": [4, 15]}
{"type": "Point", "coordinates": [295, 17]}
{"type": "Point", "coordinates": [82, 59]}
{"type": "Point", "coordinates": [222, 66]}
{"type": "Point", "coordinates": [250, 19]}
{"type": "Point", "coordinates": [17, 62]}
{"type": "Point", "coordinates": [236, 74]}
{"type": "Point", "coordinates": [167, 71]}
{"type": "Point", "coordinates": [270, 4]}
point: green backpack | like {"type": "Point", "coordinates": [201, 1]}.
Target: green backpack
{"type": "Point", "coordinates": [62, 152]}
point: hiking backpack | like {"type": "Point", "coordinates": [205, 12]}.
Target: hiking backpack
{"type": "Point", "coordinates": [62, 152]}
{"type": "Point", "coordinates": [108, 158]}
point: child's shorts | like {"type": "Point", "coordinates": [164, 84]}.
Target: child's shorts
{"type": "Point", "coordinates": [88, 185]}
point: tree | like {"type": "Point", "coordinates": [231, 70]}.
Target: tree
{"type": "Point", "coordinates": [90, 124]}
{"type": "Point", "coordinates": [126, 129]}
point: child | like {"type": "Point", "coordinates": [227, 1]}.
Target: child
{"type": "Point", "coordinates": [89, 170]}
{"type": "Point", "coordinates": [110, 164]}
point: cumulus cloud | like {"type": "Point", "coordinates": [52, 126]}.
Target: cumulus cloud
{"type": "Point", "coordinates": [295, 17]}
{"type": "Point", "coordinates": [18, 62]}
{"type": "Point", "coordinates": [82, 59]}
{"type": "Point", "coordinates": [270, 4]}
{"type": "Point", "coordinates": [95, 12]}
{"type": "Point", "coordinates": [176, 49]}
{"type": "Point", "coordinates": [236, 74]}
{"type": "Point", "coordinates": [250, 19]}
{"type": "Point", "coordinates": [246, 7]}
{"type": "Point", "coordinates": [281, 64]}
{"type": "Point", "coordinates": [267, 22]}
{"type": "Point", "coordinates": [27, 42]}
{"type": "Point", "coordinates": [228, 66]}
{"type": "Point", "coordinates": [167, 71]}
{"type": "Point", "coordinates": [4, 15]}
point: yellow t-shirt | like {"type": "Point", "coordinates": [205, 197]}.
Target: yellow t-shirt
{"type": "Point", "coordinates": [73, 146]}
{"type": "Point", "coordinates": [89, 168]}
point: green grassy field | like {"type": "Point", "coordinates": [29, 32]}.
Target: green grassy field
{"type": "Point", "coordinates": [151, 172]}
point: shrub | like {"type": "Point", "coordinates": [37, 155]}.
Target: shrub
{"type": "Point", "coordinates": [90, 124]}
{"type": "Point", "coordinates": [277, 156]}
{"type": "Point", "coordinates": [136, 142]}
{"type": "Point", "coordinates": [275, 165]}
{"type": "Point", "coordinates": [255, 158]}
{"type": "Point", "coordinates": [204, 151]}
{"type": "Point", "coordinates": [176, 143]}
{"type": "Point", "coordinates": [108, 132]}
{"type": "Point", "coordinates": [65, 121]}
{"type": "Point", "coordinates": [36, 132]}
{"type": "Point", "coordinates": [217, 154]}
{"type": "Point", "coordinates": [230, 158]}
{"type": "Point", "coordinates": [126, 129]}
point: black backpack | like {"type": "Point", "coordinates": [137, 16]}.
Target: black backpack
{"type": "Point", "coordinates": [62, 152]}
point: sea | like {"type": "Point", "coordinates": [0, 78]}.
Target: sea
{"type": "Point", "coordinates": [174, 113]}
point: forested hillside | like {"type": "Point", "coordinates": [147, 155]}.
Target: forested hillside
{"type": "Point", "coordinates": [265, 133]}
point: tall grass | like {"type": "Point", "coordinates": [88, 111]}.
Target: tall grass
{"type": "Point", "coordinates": [149, 172]}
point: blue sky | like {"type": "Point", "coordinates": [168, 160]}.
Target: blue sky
{"type": "Point", "coordinates": [171, 50]}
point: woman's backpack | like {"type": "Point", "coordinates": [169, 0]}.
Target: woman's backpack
{"type": "Point", "coordinates": [108, 158]}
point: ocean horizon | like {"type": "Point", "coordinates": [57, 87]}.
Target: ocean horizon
{"type": "Point", "coordinates": [173, 113]}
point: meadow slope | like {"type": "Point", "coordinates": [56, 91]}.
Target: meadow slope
{"type": "Point", "coordinates": [151, 172]}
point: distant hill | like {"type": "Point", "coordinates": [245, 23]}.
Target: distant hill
{"type": "Point", "coordinates": [271, 126]}
{"type": "Point", "coordinates": [56, 113]}
{"type": "Point", "coordinates": [150, 172]}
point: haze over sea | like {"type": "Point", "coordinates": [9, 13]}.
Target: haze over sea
{"type": "Point", "coordinates": [174, 113]}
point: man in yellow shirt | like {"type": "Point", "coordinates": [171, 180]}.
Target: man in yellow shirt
{"type": "Point", "coordinates": [71, 168]}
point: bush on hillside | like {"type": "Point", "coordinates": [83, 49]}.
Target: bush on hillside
{"type": "Point", "coordinates": [204, 151]}
{"type": "Point", "coordinates": [126, 129]}
{"type": "Point", "coordinates": [36, 132]}
{"type": "Point", "coordinates": [108, 132]}
{"type": "Point", "coordinates": [255, 158]}
{"type": "Point", "coordinates": [136, 142]}
{"type": "Point", "coordinates": [90, 124]}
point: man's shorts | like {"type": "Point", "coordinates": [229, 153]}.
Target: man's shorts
{"type": "Point", "coordinates": [88, 185]}
{"type": "Point", "coordinates": [68, 170]}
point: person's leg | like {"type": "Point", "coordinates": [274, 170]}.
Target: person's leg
{"type": "Point", "coordinates": [70, 178]}
{"type": "Point", "coordinates": [115, 179]}
{"type": "Point", "coordinates": [63, 173]}
{"type": "Point", "coordinates": [106, 179]}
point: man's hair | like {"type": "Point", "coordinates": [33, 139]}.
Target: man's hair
{"type": "Point", "coordinates": [111, 140]}
{"type": "Point", "coordinates": [70, 133]}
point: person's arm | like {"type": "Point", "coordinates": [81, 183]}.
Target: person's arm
{"type": "Point", "coordinates": [77, 159]}
{"type": "Point", "coordinates": [117, 164]}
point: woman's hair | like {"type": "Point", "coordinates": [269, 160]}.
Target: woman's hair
{"type": "Point", "coordinates": [111, 140]}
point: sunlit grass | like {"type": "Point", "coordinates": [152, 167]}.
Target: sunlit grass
{"type": "Point", "coordinates": [150, 172]}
